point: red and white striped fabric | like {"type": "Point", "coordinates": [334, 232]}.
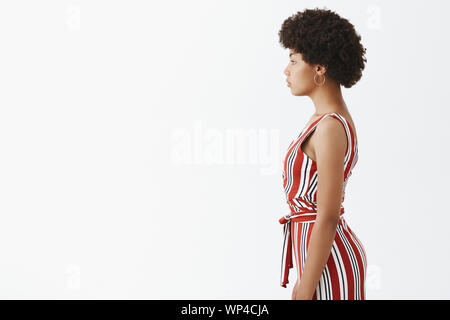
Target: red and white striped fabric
{"type": "Point", "coordinates": [344, 275]}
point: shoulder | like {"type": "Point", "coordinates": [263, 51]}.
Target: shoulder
{"type": "Point", "coordinates": [331, 135]}
{"type": "Point", "coordinates": [330, 125]}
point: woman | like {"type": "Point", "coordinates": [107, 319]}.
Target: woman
{"type": "Point", "coordinates": [325, 53]}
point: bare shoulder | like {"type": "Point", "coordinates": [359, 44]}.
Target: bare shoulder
{"type": "Point", "coordinates": [331, 136]}
{"type": "Point", "coordinates": [330, 126]}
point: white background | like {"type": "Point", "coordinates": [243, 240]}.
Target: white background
{"type": "Point", "coordinates": [122, 169]}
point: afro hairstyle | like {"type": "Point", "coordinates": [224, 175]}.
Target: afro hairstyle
{"type": "Point", "coordinates": [325, 38]}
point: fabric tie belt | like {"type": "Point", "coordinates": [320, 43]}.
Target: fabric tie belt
{"type": "Point", "coordinates": [305, 215]}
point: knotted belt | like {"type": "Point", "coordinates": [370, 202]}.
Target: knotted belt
{"type": "Point", "coordinates": [305, 215]}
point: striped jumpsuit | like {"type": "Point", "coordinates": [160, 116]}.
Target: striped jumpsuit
{"type": "Point", "coordinates": [344, 275]}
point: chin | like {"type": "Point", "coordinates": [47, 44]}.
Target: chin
{"type": "Point", "coordinates": [297, 93]}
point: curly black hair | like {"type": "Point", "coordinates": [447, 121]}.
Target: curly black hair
{"type": "Point", "coordinates": [325, 38]}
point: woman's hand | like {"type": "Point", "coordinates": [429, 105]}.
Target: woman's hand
{"type": "Point", "coordinates": [297, 294]}
{"type": "Point", "coordinates": [294, 291]}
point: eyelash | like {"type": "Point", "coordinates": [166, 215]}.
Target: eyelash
{"type": "Point", "coordinates": [292, 61]}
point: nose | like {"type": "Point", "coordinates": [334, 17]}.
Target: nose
{"type": "Point", "coordinates": [286, 72]}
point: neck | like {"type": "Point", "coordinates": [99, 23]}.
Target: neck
{"type": "Point", "coordinates": [328, 99]}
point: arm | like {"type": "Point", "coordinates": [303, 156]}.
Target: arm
{"type": "Point", "coordinates": [330, 147]}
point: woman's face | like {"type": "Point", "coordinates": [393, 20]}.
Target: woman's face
{"type": "Point", "coordinates": [300, 75]}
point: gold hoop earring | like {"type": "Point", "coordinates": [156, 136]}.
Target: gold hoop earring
{"type": "Point", "coordinates": [315, 81]}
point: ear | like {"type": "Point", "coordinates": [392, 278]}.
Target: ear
{"type": "Point", "coordinates": [320, 69]}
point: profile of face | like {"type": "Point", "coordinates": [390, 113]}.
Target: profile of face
{"type": "Point", "coordinates": [300, 75]}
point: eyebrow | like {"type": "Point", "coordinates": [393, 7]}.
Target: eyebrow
{"type": "Point", "coordinates": [290, 54]}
